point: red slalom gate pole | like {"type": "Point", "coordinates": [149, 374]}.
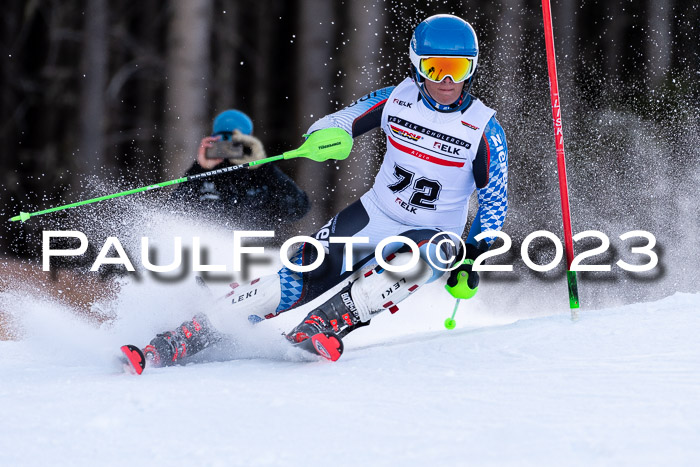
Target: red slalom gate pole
{"type": "Point", "coordinates": [561, 159]}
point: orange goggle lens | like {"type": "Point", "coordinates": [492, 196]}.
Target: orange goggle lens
{"type": "Point", "coordinates": [437, 68]}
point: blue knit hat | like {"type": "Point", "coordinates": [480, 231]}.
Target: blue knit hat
{"type": "Point", "coordinates": [230, 120]}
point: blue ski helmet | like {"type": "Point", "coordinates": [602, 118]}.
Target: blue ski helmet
{"type": "Point", "coordinates": [230, 120]}
{"type": "Point", "coordinates": [444, 36]}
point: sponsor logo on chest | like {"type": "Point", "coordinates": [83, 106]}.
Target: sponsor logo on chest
{"type": "Point", "coordinates": [405, 205]}
{"type": "Point", "coordinates": [404, 133]}
{"type": "Point", "coordinates": [446, 148]}
{"type": "Point", "coordinates": [403, 103]}
{"type": "Point", "coordinates": [469, 125]}
{"type": "Point", "coordinates": [418, 130]}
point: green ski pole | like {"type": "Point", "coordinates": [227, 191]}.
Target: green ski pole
{"type": "Point", "coordinates": [460, 290]}
{"type": "Point", "coordinates": [450, 323]}
{"type": "Point", "coordinates": [329, 143]}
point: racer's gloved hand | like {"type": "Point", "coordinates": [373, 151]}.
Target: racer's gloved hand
{"type": "Point", "coordinates": [251, 145]}
{"type": "Point", "coordinates": [472, 276]}
{"type": "Point", "coordinates": [324, 144]}
{"type": "Point", "coordinates": [463, 281]}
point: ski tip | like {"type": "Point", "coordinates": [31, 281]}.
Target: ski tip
{"type": "Point", "coordinates": [135, 359]}
{"type": "Point", "coordinates": [328, 346]}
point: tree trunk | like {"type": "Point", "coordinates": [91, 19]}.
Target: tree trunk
{"type": "Point", "coordinates": [505, 56]}
{"type": "Point", "coordinates": [266, 37]}
{"type": "Point", "coordinates": [567, 32]}
{"type": "Point", "coordinates": [91, 158]}
{"type": "Point", "coordinates": [613, 41]}
{"type": "Point", "coordinates": [225, 63]}
{"type": "Point", "coordinates": [314, 83]}
{"type": "Point", "coordinates": [148, 164]}
{"type": "Point", "coordinates": [659, 45]}
{"type": "Point", "coordinates": [187, 70]}
{"type": "Point", "coordinates": [361, 60]}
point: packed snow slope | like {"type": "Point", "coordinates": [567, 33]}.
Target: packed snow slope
{"type": "Point", "coordinates": [620, 386]}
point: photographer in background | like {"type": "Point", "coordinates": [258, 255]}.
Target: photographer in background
{"type": "Point", "coordinates": [253, 198]}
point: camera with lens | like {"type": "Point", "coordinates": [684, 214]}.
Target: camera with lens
{"type": "Point", "coordinates": [224, 150]}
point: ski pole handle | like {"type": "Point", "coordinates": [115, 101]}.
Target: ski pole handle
{"type": "Point", "coordinates": [327, 143]}
{"type": "Point", "coordinates": [461, 289]}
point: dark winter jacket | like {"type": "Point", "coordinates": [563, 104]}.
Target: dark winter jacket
{"type": "Point", "coordinates": [260, 198]}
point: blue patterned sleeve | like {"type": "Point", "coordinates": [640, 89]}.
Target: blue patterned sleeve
{"type": "Point", "coordinates": [493, 197]}
{"type": "Point", "coordinates": [361, 116]}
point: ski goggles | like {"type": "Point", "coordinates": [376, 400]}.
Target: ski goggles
{"type": "Point", "coordinates": [438, 68]}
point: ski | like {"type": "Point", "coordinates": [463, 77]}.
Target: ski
{"type": "Point", "coordinates": [325, 344]}
{"type": "Point", "coordinates": [133, 359]}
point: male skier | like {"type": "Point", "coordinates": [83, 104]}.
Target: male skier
{"type": "Point", "coordinates": [442, 145]}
